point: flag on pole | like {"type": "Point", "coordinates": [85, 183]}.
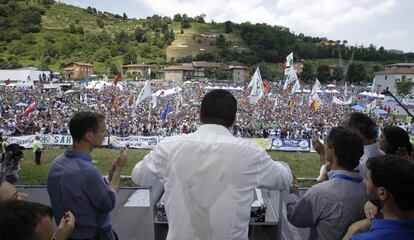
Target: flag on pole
{"type": "Point", "coordinates": [266, 86]}
{"type": "Point", "coordinates": [256, 84]}
{"type": "Point", "coordinates": [154, 100]}
{"type": "Point", "coordinates": [371, 106]}
{"type": "Point", "coordinates": [166, 111]}
{"type": "Point", "coordinates": [275, 104]}
{"type": "Point", "coordinates": [59, 93]}
{"type": "Point", "coordinates": [314, 100]}
{"type": "Point", "coordinates": [145, 92]}
{"type": "Point", "coordinates": [337, 101]}
{"type": "Point", "coordinates": [290, 78]}
{"type": "Point", "coordinates": [117, 79]}
{"type": "Point", "coordinates": [288, 63]}
{"type": "Point", "coordinates": [291, 103]}
{"type": "Point", "coordinates": [315, 103]}
{"type": "Point", "coordinates": [296, 87]}
{"type": "Point", "coordinates": [130, 101]}
{"type": "Point", "coordinates": [346, 89]}
{"type": "Point", "coordinates": [30, 108]}
{"type": "Point", "coordinates": [373, 85]}
{"type": "Point", "coordinates": [289, 60]}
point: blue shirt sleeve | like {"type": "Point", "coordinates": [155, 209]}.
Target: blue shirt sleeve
{"type": "Point", "coordinates": [101, 196]}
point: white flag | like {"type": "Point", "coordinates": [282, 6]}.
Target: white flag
{"type": "Point", "coordinates": [373, 86]}
{"type": "Point", "coordinates": [154, 100]}
{"type": "Point", "coordinates": [289, 60]}
{"type": "Point", "coordinates": [291, 77]}
{"type": "Point", "coordinates": [59, 93]}
{"type": "Point", "coordinates": [346, 89]}
{"type": "Point", "coordinates": [337, 101]}
{"type": "Point", "coordinates": [275, 104]}
{"type": "Point", "coordinates": [371, 106]}
{"type": "Point", "coordinates": [145, 92]}
{"type": "Point", "coordinates": [315, 89]}
{"type": "Point", "coordinates": [257, 87]}
{"type": "Point", "coordinates": [296, 87]}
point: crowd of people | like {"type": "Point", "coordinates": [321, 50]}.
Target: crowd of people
{"type": "Point", "coordinates": [274, 116]}
{"type": "Point", "coordinates": [209, 176]}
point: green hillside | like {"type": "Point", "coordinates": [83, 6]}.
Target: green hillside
{"type": "Point", "coordinates": [49, 35]}
{"type": "Point", "coordinates": [200, 38]}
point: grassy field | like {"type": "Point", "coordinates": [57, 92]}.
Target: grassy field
{"type": "Point", "coordinates": [304, 164]}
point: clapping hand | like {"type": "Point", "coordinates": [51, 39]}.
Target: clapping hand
{"type": "Point", "coordinates": [65, 228]}
{"type": "Point", "coordinates": [118, 163]}
{"type": "Point", "coordinates": [319, 147]}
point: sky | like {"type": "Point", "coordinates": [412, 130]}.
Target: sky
{"type": "Point", "coordinates": [387, 23]}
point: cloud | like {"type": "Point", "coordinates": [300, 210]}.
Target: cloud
{"type": "Point", "coordinates": [325, 16]}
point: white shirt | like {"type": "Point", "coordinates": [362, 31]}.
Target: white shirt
{"type": "Point", "coordinates": [209, 178]}
{"type": "Point", "coordinates": [371, 150]}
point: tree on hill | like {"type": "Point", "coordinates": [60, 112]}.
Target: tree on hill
{"type": "Point", "coordinates": [307, 75]}
{"type": "Point", "coordinates": [139, 34]}
{"type": "Point", "coordinates": [356, 73]}
{"type": "Point", "coordinates": [323, 73]}
{"type": "Point", "coordinates": [200, 18]}
{"type": "Point", "coordinates": [220, 41]}
{"type": "Point", "coordinates": [265, 72]}
{"type": "Point", "coordinates": [100, 22]}
{"type": "Point", "coordinates": [124, 16]}
{"type": "Point", "coordinates": [228, 27]}
{"type": "Point", "coordinates": [185, 22]}
{"type": "Point", "coordinates": [338, 73]}
{"type": "Point", "coordinates": [130, 57]}
{"type": "Point", "coordinates": [404, 87]}
{"type": "Point", "coordinates": [177, 17]}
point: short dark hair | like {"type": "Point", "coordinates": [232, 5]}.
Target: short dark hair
{"type": "Point", "coordinates": [18, 219]}
{"type": "Point", "coordinates": [348, 146]}
{"type": "Point", "coordinates": [365, 125]}
{"type": "Point", "coordinates": [218, 107]}
{"type": "Point", "coordinates": [395, 174]}
{"type": "Point", "coordinates": [82, 122]}
{"type": "Point", "coordinates": [397, 137]}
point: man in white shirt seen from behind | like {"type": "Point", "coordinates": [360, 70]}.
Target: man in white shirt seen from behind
{"type": "Point", "coordinates": [209, 176]}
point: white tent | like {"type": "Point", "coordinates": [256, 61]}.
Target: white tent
{"type": "Point", "coordinates": [371, 94]}
{"type": "Point", "coordinates": [22, 76]}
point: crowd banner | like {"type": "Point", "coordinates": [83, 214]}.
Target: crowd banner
{"type": "Point", "coordinates": [141, 142]}
{"type": "Point", "coordinates": [66, 140]}
{"type": "Point", "coordinates": [134, 142]}
{"type": "Point", "coordinates": [291, 144]}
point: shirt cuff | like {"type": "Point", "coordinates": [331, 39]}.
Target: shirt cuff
{"type": "Point", "coordinates": [292, 198]}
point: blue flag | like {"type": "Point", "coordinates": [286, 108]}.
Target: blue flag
{"type": "Point", "coordinates": [166, 111]}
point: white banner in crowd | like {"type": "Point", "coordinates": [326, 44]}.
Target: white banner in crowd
{"type": "Point", "coordinates": [140, 142]}
{"type": "Point", "coordinates": [66, 140]}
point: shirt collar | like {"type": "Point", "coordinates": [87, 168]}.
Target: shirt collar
{"type": "Point", "coordinates": [70, 153]}
{"type": "Point", "coordinates": [395, 224]}
{"type": "Point", "coordinates": [371, 147]}
{"type": "Point", "coordinates": [218, 129]}
{"type": "Point", "coordinates": [344, 172]}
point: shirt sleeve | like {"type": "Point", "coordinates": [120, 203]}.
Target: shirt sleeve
{"type": "Point", "coordinates": [304, 212]}
{"type": "Point", "coordinates": [151, 170]}
{"type": "Point", "coordinates": [100, 195]}
{"type": "Point", "coordinates": [273, 175]}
